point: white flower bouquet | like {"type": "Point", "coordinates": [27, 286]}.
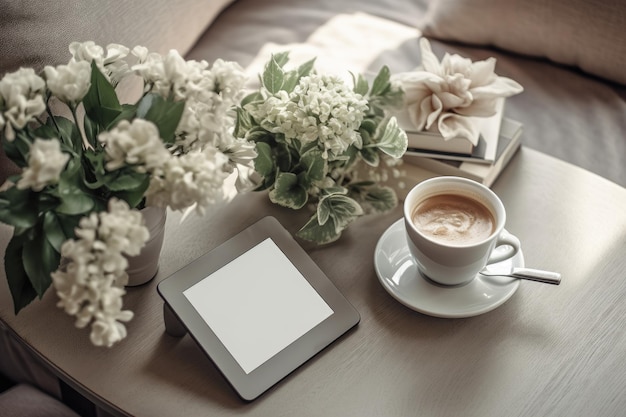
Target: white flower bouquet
{"type": "Point", "coordinates": [324, 143]}
{"type": "Point", "coordinates": [89, 163]}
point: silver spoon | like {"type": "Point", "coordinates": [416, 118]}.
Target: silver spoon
{"type": "Point", "coordinates": [547, 277]}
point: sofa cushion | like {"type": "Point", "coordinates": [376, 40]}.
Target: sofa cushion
{"type": "Point", "coordinates": [25, 400]}
{"type": "Point", "coordinates": [35, 34]}
{"type": "Point", "coordinates": [582, 33]}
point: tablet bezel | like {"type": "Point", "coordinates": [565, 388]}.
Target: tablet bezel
{"type": "Point", "coordinates": [250, 386]}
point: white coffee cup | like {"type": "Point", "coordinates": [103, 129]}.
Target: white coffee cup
{"type": "Point", "coordinates": [457, 262]}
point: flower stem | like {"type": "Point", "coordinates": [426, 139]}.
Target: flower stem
{"type": "Point", "coordinates": [86, 144]}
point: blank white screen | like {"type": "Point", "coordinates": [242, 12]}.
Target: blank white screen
{"type": "Point", "coordinates": [258, 304]}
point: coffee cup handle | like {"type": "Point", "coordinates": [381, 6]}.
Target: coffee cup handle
{"type": "Point", "coordinates": [505, 239]}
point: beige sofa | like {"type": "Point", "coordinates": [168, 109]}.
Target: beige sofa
{"type": "Point", "coordinates": [569, 55]}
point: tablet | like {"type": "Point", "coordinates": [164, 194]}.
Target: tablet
{"type": "Point", "coordinates": [258, 306]}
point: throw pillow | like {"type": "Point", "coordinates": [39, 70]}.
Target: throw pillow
{"type": "Point", "coordinates": [589, 34]}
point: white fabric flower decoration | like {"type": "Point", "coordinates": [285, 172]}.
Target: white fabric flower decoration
{"type": "Point", "coordinates": [69, 83]}
{"type": "Point", "coordinates": [21, 100]}
{"type": "Point", "coordinates": [441, 95]}
{"type": "Point", "coordinates": [45, 164]}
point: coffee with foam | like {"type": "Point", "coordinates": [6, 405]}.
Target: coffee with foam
{"type": "Point", "coordinates": [453, 219]}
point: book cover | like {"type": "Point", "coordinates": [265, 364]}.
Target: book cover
{"type": "Point", "coordinates": [434, 145]}
{"type": "Point", "coordinates": [508, 144]}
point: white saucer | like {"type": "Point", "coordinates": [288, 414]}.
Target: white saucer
{"type": "Point", "coordinates": [398, 274]}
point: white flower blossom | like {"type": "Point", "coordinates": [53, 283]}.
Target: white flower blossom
{"type": "Point", "coordinates": [178, 181]}
{"type": "Point", "coordinates": [90, 285]}
{"type": "Point", "coordinates": [46, 161]}
{"type": "Point", "coordinates": [241, 152]}
{"type": "Point", "coordinates": [228, 81]}
{"type": "Point", "coordinates": [141, 52]}
{"type": "Point", "coordinates": [441, 95]}
{"type": "Point", "coordinates": [21, 100]}
{"type": "Point", "coordinates": [87, 51]}
{"type": "Point", "coordinates": [193, 178]}
{"type": "Point", "coordinates": [107, 328]}
{"type": "Point", "coordinates": [209, 93]}
{"type": "Point", "coordinates": [69, 83]}
{"type": "Point", "coordinates": [162, 74]}
{"type": "Point", "coordinates": [321, 108]}
{"type": "Point", "coordinates": [137, 143]}
{"type": "Point", "coordinates": [112, 64]}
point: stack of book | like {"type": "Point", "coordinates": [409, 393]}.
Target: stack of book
{"type": "Point", "coordinates": [500, 138]}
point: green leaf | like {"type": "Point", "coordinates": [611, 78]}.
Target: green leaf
{"type": "Point", "coordinates": [337, 211]}
{"type": "Point", "coordinates": [243, 123]}
{"type": "Point", "coordinates": [46, 132]}
{"type": "Point", "coordinates": [285, 155]}
{"type": "Point", "coordinates": [273, 76]}
{"type": "Point", "coordinates": [165, 114]}
{"type": "Point", "coordinates": [251, 98]}
{"type": "Point", "coordinates": [263, 163]}
{"type": "Point", "coordinates": [281, 58]}
{"type": "Point", "coordinates": [316, 167]}
{"type": "Point", "coordinates": [70, 223]}
{"type": "Point", "coordinates": [361, 86]}
{"type": "Point", "coordinates": [18, 149]}
{"type": "Point", "coordinates": [380, 199]}
{"type": "Point", "coordinates": [290, 81]}
{"type": "Point", "coordinates": [288, 192]}
{"type": "Point", "coordinates": [334, 190]}
{"type": "Point", "coordinates": [392, 97]}
{"type": "Point", "coordinates": [323, 214]}
{"type": "Point", "coordinates": [69, 134]}
{"type": "Point", "coordinates": [319, 233]}
{"type": "Point", "coordinates": [306, 68]}
{"type": "Point", "coordinates": [381, 82]}
{"type": "Point", "coordinates": [126, 179]}
{"type": "Point", "coordinates": [370, 156]}
{"type": "Point", "coordinates": [134, 196]}
{"type": "Point", "coordinates": [94, 163]}
{"type": "Point", "coordinates": [101, 102]}
{"type": "Point", "coordinates": [21, 289]}
{"type": "Point", "coordinates": [144, 104]}
{"type": "Point", "coordinates": [128, 112]}
{"type": "Point", "coordinates": [369, 126]}
{"type": "Point", "coordinates": [292, 78]}
{"type": "Point", "coordinates": [258, 134]}
{"type": "Point", "coordinates": [53, 230]}
{"type": "Point", "coordinates": [40, 260]}
{"type": "Point", "coordinates": [92, 130]}
{"type": "Point", "coordinates": [394, 140]}
{"type": "Point", "coordinates": [324, 209]}
{"type": "Point", "coordinates": [19, 208]}
{"type": "Point", "coordinates": [74, 199]}
{"type": "Point", "coordinates": [342, 209]}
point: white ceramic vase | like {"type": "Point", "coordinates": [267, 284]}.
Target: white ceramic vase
{"type": "Point", "coordinates": [143, 267]}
